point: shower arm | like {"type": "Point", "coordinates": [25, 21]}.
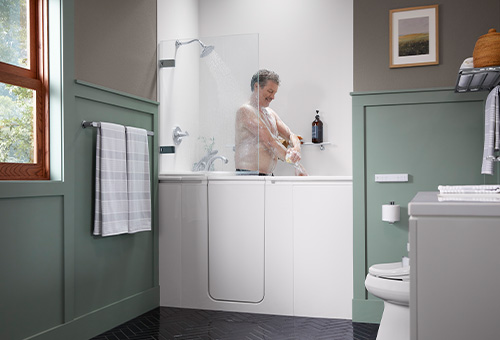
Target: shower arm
{"type": "Point", "coordinates": [180, 43]}
{"type": "Point", "coordinates": [206, 49]}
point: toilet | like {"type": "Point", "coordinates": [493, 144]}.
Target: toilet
{"type": "Point", "coordinates": [391, 283]}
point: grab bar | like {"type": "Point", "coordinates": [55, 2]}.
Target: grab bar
{"type": "Point", "coordinates": [86, 124]}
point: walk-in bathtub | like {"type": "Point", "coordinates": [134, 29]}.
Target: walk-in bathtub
{"type": "Point", "coordinates": [263, 244]}
{"type": "Point", "coordinates": [232, 241]}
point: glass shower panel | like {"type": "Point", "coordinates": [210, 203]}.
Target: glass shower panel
{"type": "Point", "coordinates": [225, 76]}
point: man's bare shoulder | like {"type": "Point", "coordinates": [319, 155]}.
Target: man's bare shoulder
{"type": "Point", "coordinates": [246, 109]}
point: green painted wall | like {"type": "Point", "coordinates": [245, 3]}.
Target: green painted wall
{"type": "Point", "coordinates": [109, 268]}
{"type": "Point", "coordinates": [58, 280]}
{"type": "Point", "coordinates": [435, 136]}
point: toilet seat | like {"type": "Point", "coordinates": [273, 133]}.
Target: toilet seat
{"type": "Point", "coordinates": [394, 271]}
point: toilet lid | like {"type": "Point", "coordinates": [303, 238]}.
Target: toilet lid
{"type": "Point", "coordinates": [389, 270]}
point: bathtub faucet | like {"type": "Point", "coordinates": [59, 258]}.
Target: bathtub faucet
{"type": "Point", "coordinates": [212, 160]}
{"type": "Point", "coordinates": [201, 165]}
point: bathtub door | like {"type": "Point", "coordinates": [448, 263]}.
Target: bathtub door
{"type": "Point", "coordinates": [236, 240]}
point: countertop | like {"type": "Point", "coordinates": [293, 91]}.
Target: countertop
{"type": "Point", "coordinates": [428, 203]}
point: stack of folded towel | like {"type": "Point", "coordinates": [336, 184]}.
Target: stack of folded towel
{"type": "Point", "coordinates": [469, 189]}
{"type": "Point", "coordinates": [469, 192]}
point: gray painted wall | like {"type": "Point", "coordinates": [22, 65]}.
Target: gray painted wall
{"type": "Point", "coordinates": [115, 45]}
{"type": "Point", "coordinates": [461, 23]}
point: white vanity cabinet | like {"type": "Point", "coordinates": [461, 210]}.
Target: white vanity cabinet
{"type": "Point", "coordinates": [455, 269]}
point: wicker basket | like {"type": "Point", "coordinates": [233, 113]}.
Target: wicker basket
{"type": "Point", "coordinates": [487, 50]}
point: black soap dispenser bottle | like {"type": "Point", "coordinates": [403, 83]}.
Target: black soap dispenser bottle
{"type": "Point", "coordinates": [317, 129]}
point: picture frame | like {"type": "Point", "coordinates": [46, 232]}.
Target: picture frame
{"type": "Point", "coordinates": [414, 36]}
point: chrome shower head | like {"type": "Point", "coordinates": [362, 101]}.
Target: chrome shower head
{"type": "Point", "coordinates": [206, 49]}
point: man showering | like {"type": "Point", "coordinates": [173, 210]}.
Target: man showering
{"type": "Point", "coordinates": [260, 131]}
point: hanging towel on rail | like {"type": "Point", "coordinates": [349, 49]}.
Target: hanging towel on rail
{"type": "Point", "coordinates": [139, 193]}
{"type": "Point", "coordinates": [111, 204]}
{"type": "Point", "coordinates": [491, 131]}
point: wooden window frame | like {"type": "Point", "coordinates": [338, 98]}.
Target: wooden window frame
{"type": "Point", "coordinates": [35, 78]}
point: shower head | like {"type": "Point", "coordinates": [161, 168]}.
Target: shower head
{"type": "Point", "coordinates": [206, 49]}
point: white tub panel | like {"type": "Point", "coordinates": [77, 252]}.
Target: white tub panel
{"type": "Point", "coordinates": [279, 249]}
{"type": "Point", "coordinates": [322, 215]}
{"type": "Point", "coordinates": [170, 244]}
{"type": "Point", "coordinates": [194, 251]}
{"type": "Point", "coordinates": [301, 232]}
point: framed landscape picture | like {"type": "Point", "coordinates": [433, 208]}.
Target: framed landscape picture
{"type": "Point", "coordinates": [414, 36]}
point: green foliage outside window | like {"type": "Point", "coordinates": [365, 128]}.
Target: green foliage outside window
{"type": "Point", "coordinates": [16, 124]}
{"type": "Point", "coordinates": [13, 32]}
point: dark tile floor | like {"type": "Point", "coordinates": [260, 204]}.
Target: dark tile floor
{"type": "Point", "coordinates": [180, 323]}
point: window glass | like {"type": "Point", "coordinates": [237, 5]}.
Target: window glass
{"type": "Point", "coordinates": [16, 124]}
{"type": "Point", "coordinates": [24, 140]}
{"type": "Point", "coordinates": [14, 33]}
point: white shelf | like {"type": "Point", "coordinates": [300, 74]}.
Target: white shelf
{"type": "Point", "coordinates": [321, 145]}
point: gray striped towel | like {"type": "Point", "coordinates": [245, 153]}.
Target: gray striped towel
{"type": "Point", "coordinates": [491, 131]}
{"type": "Point", "coordinates": [139, 193]}
{"type": "Point", "coordinates": [111, 207]}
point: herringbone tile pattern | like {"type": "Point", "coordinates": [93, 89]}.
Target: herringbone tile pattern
{"type": "Point", "coordinates": [194, 324]}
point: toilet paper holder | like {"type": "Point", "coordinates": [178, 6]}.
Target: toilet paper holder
{"type": "Point", "coordinates": [391, 212]}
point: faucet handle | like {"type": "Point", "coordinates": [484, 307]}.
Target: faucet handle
{"type": "Point", "coordinates": [178, 134]}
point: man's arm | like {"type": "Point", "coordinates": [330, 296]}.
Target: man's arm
{"type": "Point", "coordinates": [249, 120]}
{"type": "Point", "coordinates": [285, 132]}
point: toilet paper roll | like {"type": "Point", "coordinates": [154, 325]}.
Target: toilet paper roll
{"type": "Point", "coordinates": [390, 213]}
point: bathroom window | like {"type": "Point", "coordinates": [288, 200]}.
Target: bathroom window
{"type": "Point", "coordinates": [24, 135]}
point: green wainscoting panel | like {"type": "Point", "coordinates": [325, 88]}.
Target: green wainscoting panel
{"type": "Point", "coordinates": [102, 320]}
{"type": "Point", "coordinates": [436, 137]}
{"type": "Point", "coordinates": [59, 281]}
{"type": "Point", "coordinates": [31, 265]}
{"type": "Point", "coordinates": [367, 310]}
{"type": "Point", "coordinates": [108, 269]}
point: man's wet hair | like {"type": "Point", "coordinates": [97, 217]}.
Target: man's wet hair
{"type": "Point", "coordinates": [262, 76]}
